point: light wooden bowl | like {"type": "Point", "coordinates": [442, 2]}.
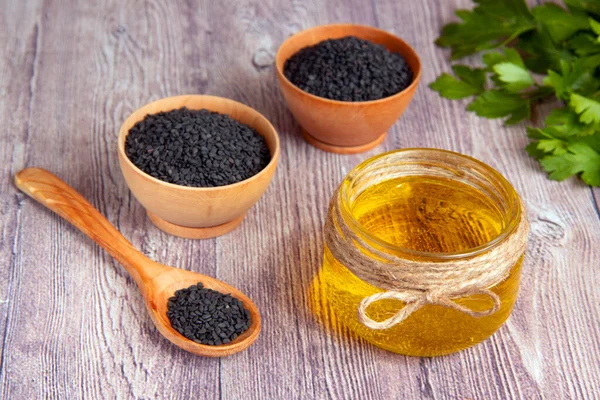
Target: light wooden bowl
{"type": "Point", "coordinates": [342, 126]}
{"type": "Point", "coordinates": [195, 212]}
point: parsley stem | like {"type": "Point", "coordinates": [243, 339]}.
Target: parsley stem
{"type": "Point", "coordinates": [541, 92]}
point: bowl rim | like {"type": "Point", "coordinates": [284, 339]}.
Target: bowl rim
{"type": "Point", "coordinates": [412, 85]}
{"type": "Point", "coordinates": [123, 136]}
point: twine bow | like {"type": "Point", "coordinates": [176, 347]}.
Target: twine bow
{"type": "Point", "coordinates": [414, 300]}
{"type": "Point", "coordinates": [418, 283]}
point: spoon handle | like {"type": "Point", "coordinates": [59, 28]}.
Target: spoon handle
{"type": "Point", "coordinates": [61, 198]}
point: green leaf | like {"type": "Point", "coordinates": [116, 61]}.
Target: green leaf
{"type": "Point", "coordinates": [546, 143]}
{"type": "Point", "coordinates": [564, 122]}
{"type": "Point", "coordinates": [510, 55]}
{"type": "Point", "coordinates": [590, 6]}
{"type": "Point", "coordinates": [492, 58]}
{"type": "Point", "coordinates": [555, 80]}
{"type": "Point", "coordinates": [590, 62]}
{"type": "Point", "coordinates": [595, 26]}
{"type": "Point", "coordinates": [473, 76]}
{"type": "Point", "coordinates": [535, 133]}
{"type": "Point", "coordinates": [555, 146]}
{"type": "Point", "coordinates": [573, 77]}
{"type": "Point", "coordinates": [587, 108]}
{"type": "Point", "coordinates": [563, 158]}
{"type": "Point", "coordinates": [534, 152]}
{"type": "Point", "coordinates": [471, 82]}
{"type": "Point", "coordinates": [561, 44]}
{"type": "Point", "coordinates": [451, 88]}
{"type": "Point", "coordinates": [561, 117]}
{"type": "Point", "coordinates": [490, 24]}
{"type": "Point", "coordinates": [579, 158]}
{"type": "Point", "coordinates": [515, 77]}
{"type": "Point", "coordinates": [558, 22]}
{"type": "Point", "coordinates": [541, 52]}
{"type": "Point", "coordinates": [584, 44]}
{"type": "Point", "coordinates": [593, 141]}
{"type": "Point", "coordinates": [498, 103]}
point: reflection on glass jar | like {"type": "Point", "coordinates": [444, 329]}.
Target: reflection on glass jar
{"type": "Point", "coordinates": [429, 210]}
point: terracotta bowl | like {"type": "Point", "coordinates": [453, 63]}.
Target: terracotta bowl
{"type": "Point", "coordinates": [194, 212]}
{"type": "Point", "coordinates": [342, 126]}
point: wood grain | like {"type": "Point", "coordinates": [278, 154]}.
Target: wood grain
{"type": "Point", "coordinates": [71, 72]}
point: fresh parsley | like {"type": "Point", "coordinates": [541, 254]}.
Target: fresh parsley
{"type": "Point", "coordinates": [518, 44]}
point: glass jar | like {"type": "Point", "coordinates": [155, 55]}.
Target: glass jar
{"type": "Point", "coordinates": [425, 206]}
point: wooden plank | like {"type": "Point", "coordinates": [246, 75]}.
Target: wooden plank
{"type": "Point", "coordinates": [81, 330]}
{"type": "Point", "coordinates": [19, 65]}
{"type": "Point", "coordinates": [596, 195]}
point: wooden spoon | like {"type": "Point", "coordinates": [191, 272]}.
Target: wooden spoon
{"type": "Point", "coordinates": [157, 282]}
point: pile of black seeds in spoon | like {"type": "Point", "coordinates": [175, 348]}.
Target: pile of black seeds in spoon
{"type": "Point", "coordinates": [196, 148]}
{"type": "Point", "coordinates": [207, 316]}
{"type": "Point", "coordinates": [348, 69]}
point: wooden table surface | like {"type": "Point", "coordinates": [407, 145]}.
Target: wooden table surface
{"type": "Point", "coordinates": [73, 324]}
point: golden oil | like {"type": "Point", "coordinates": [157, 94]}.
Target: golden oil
{"type": "Point", "coordinates": [426, 215]}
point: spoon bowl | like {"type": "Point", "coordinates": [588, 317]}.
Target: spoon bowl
{"type": "Point", "coordinates": [172, 279]}
{"type": "Point", "coordinates": [157, 282]}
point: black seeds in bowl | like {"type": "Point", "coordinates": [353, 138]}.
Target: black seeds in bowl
{"type": "Point", "coordinates": [196, 148]}
{"type": "Point", "coordinates": [348, 69]}
{"type": "Point", "coordinates": [207, 316]}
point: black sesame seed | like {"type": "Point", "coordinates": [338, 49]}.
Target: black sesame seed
{"type": "Point", "coordinates": [197, 313]}
{"type": "Point", "coordinates": [348, 69]}
{"type": "Point", "coordinates": [161, 145]}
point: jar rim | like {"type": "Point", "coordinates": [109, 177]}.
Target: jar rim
{"type": "Point", "coordinates": [428, 155]}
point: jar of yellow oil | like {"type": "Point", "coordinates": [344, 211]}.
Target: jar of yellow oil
{"type": "Point", "coordinates": [423, 251]}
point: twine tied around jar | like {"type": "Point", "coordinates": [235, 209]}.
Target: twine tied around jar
{"type": "Point", "coordinates": [418, 283]}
